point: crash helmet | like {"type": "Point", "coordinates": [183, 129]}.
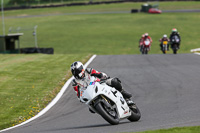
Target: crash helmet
{"type": "Point", "coordinates": [78, 70]}
{"type": "Point", "coordinates": [164, 36]}
{"type": "Point", "coordinates": [174, 30]}
{"type": "Point", "coordinates": [146, 34]}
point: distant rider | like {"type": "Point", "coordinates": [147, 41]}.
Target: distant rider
{"type": "Point", "coordinates": [81, 74]}
{"type": "Point", "coordinates": [146, 36]}
{"type": "Point", "coordinates": [173, 35]}
{"type": "Point", "coordinates": [141, 43]}
{"type": "Point", "coordinates": [164, 38]}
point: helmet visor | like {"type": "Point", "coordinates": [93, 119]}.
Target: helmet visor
{"type": "Point", "coordinates": [79, 72]}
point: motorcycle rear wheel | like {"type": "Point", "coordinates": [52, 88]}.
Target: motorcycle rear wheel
{"type": "Point", "coordinates": [135, 114]}
{"type": "Point", "coordinates": [114, 120]}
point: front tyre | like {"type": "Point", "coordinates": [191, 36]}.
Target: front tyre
{"type": "Point", "coordinates": [135, 113]}
{"type": "Point", "coordinates": [175, 51]}
{"type": "Point", "coordinates": [146, 50]}
{"type": "Point", "coordinates": [109, 115]}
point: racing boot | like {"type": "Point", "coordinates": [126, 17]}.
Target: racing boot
{"type": "Point", "coordinates": [127, 96]}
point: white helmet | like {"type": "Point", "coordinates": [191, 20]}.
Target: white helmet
{"type": "Point", "coordinates": [78, 70]}
{"type": "Point", "coordinates": [146, 34]}
{"type": "Point", "coordinates": [164, 36]}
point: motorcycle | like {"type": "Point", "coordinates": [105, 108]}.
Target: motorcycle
{"type": "Point", "coordinates": [174, 44]}
{"type": "Point", "coordinates": [108, 102]}
{"type": "Point", "coordinates": [164, 47]}
{"type": "Point", "coordinates": [146, 46]}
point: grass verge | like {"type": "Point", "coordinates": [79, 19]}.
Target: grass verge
{"type": "Point", "coordinates": [105, 33]}
{"type": "Point", "coordinates": [29, 82]}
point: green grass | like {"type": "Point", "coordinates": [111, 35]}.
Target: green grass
{"type": "Point", "coordinates": [103, 33]}
{"type": "Point", "coordinates": [29, 82]}
{"type": "Point", "coordinates": [127, 6]}
{"type": "Point", "coordinates": [195, 129]}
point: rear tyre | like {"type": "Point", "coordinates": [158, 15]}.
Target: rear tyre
{"type": "Point", "coordinates": [135, 113]}
{"type": "Point", "coordinates": [110, 116]}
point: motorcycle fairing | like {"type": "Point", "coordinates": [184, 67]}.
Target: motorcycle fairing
{"type": "Point", "coordinates": [91, 94]}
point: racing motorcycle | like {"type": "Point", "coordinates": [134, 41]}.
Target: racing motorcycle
{"type": "Point", "coordinates": [108, 102]}
{"type": "Point", "coordinates": [164, 47]}
{"type": "Point", "coordinates": [174, 44]}
{"type": "Point", "coordinates": [146, 46]}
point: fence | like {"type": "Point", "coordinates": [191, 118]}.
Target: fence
{"type": "Point", "coordinates": [29, 38]}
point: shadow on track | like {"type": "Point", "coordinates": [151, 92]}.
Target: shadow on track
{"type": "Point", "coordinates": [83, 127]}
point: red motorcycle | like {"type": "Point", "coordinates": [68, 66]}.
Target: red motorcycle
{"type": "Point", "coordinates": [146, 46]}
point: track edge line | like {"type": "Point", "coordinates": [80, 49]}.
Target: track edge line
{"type": "Point", "coordinates": [53, 102]}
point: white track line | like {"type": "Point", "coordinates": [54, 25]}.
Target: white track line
{"type": "Point", "coordinates": [53, 102]}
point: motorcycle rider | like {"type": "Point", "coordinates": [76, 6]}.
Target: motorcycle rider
{"type": "Point", "coordinates": [146, 36]}
{"type": "Point", "coordinates": [175, 33]}
{"type": "Point", "coordinates": [141, 43]}
{"type": "Point", "coordinates": [81, 74]}
{"type": "Point", "coordinates": [164, 38]}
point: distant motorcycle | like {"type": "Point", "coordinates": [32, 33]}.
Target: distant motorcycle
{"type": "Point", "coordinates": [164, 47]}
{"type": "Point", "coordinates": [146, 46]}
{"type": "Point", "coordinates": [108, 102]}
{"type": "Point", "coordinates": [174, 44]}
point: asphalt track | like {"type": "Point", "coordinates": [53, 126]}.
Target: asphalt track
{"type": "Point", "coordinates": [166, 88]}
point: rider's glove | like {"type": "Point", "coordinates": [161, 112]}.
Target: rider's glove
{"type": "Point", "coordinates": [104, 76]}
{"type": "Point", "coordinates": [98, 75]}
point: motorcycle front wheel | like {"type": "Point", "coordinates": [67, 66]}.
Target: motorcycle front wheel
{"type": "Point", "coordinates": [135, 113]}
{"type": "Point", "coordinates": [174, 51]}
{"type": "Point", "coordinates": [164, 50]}
{"type": "Point", "coordinates": [109, 115]}
{"type": "Point", "coordinates": [146, 51]}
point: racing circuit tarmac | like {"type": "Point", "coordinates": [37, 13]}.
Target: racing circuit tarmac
{"type": "Point", "coordinates": [166, 89]}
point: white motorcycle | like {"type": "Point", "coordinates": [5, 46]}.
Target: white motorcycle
{"type": "Point", "coordinates": [108, 102]}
